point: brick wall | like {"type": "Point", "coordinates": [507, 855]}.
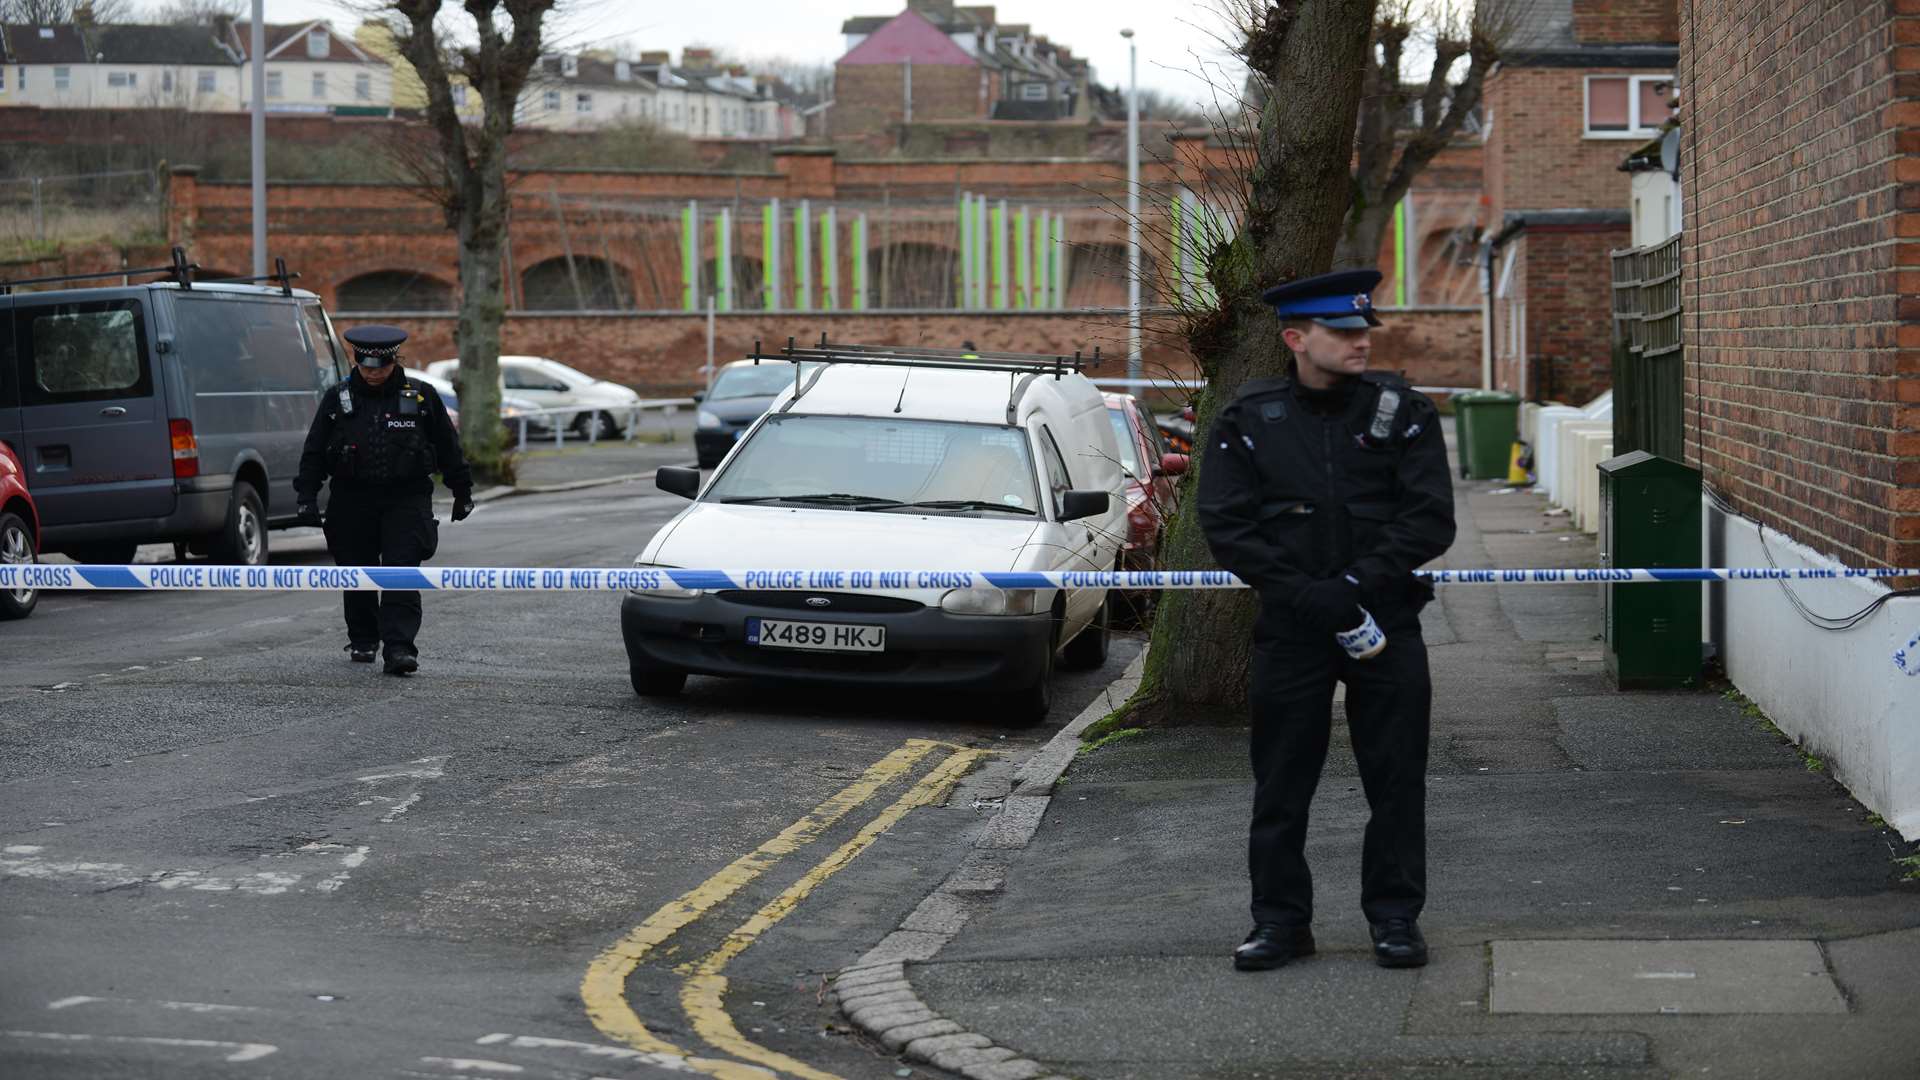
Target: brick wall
{"type": "Point", "coordinates": [870, 100]}
{"type": "Point", "coordinates": [1803, 281]}
{"type": "Point", "coordinates": [1566, 280]}
{"type": "Point", "coordinates": [1536, 157]}
{"type": "Point", "coordinates": [1625, 22]}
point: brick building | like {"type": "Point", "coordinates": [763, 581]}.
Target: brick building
{"type": "Point", "coordinates": [1801, 168]}
{"type": "Point", "coordinates": [1581, 82]}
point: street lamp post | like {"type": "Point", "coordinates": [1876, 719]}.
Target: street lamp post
{"type": "Point", "coordinates": [257, 52]}
{"type": "Point", "coordinates": [1133, 208]}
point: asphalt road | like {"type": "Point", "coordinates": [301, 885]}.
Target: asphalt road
{"type": "Point", "coordinates": [227, 851]}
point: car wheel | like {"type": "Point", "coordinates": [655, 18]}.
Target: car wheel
{"type": "Point", "coordinates": [16, 549]}
{"type": "Point", "coordinates": [610, 426]}
{"type": "Point", "coordinates": [243, 540]}
{"type": "Point", "coordinates": [104, 552]}
{"type": "Point", "coordinates": [1029, 704]}
{"type": "Point", "coordinates": [1089, 649]}
{"type": "Point", "coordinates": [650, 680]}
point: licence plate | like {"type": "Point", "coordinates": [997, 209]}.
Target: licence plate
{"type": "Point", "coordinates": [816, 637]}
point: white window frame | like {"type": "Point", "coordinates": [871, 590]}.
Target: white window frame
{"type": "Point", "coordinates": [206, 82]}
{"type": "Point", "coordinates": [1027, 91]}
{"type": "Point", "coordinates": [363, 86]}
{"type": "Point", "coordinates": [62, 79]}
{"type": "Point", "coordinates": [318, 45]}
{"type": "Point", "coordinates": [319, 86]}
{"type": "Point", "coordinates": [1635, 130]}
{"type": "Point", "coordinates": [583, 102]}
{"type": "Point", "coordinates": [553, 101]}
{"type": "Point", "coordinates": [276, 85]}
{"type": "Point", "coordinates": [166, 81]}
{"type": "Point", "coordinates": [123, 80]}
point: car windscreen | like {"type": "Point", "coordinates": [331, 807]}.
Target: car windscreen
{"type": "Point", "coordinates": [904, 461]}
{"type": "Point", "coordinates": [758, 380]}
{"type": "Point", "coordinates": [1123, 434]}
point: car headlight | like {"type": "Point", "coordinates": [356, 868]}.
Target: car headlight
{"type": "Point", "coordinates": [988, 601]}
{"type": "Point", "coordinates": [706, 419]}
{"type": "Point", "coordinates": [662, 586]}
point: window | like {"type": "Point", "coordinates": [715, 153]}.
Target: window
{"type": "Point", "coordinates": [793, 456]}
{"type": "Point", "coordinates": [363, 87]}
{"type": "Point", "coordinates": [317, 44]}
{"type": "Point", "coordinates": [1627, 106]}
{"type": "Point", "coordinates": [166, 81]}
{"type": "Point", "coordinates": [83, 352]}
{"type": "Point", "coordinates": [320, 86]}
{"type": "Point", "coordinates": [203, 82]}
{"type": "Point", "coordinates": [1059, 482]}
{"type": "Point", "coordinates": [460, 96]}
{"type": "Point", "coordinates": [331, 364]}
{"type": "Point", "coordinates": [1033, 91]}
{"type": "Point", "coordinates": [244, 346]}
{"type": "Point", "coordinates": [273, 84]}
{"type": "Point", "coordinates": [570, 66]}
{"type": "Point", "coordinates": [553, 101]}
{"type": "Point", "coordinates": [62, 78]}
{"type": "Point", "coordinates": [1123, 434]}
{"type": "Point", "coordinates": [583, 103]}
{"type": "Point", "coordinates": [622, 71]}
{"type": "Point", "coordinates": [123, 80]}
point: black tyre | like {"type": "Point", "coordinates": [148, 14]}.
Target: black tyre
{"type": "Point", "coordinates": [16, 549]}
{"type": "Point", "coordinates": [107, 552]}
{"type": "Point", "coordinates": [650, 680]}
{"type": "Point", "coordinates": [242, 541]}
{"type": "Point", "coordinates": [1089, 650]}
{"type": "Point", "coordinates": [1029, 704]}
{"type": "Point", "coordinates": [609, 426]}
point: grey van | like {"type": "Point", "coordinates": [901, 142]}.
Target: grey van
{"type": "Point", "coordinates": [171, 411]}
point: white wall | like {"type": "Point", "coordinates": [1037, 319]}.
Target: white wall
{"type": "Point", "coordinates": [1656, 207]}
{"type": "Point", "coordinates": [1838, 693]}
{"type": "Point", "coordinates": [90, 86]}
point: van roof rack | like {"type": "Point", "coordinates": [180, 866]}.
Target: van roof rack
{"type": "Point", "coordinates": [180, 272]}
{"type": "Point", "coordinates": [826, 353]}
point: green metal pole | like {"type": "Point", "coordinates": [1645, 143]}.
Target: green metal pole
{"type": "Point", "coordinates": [723, 257]}
{"type": "Point", "coordinates": [860, 263]}
{"type": "Point", "coordinates": [689, 255]}
{"type": "Point", "coordinates": [965, 214]}
{"type": "Point", "coordinates": [1022, 257]}
{"type": "Point", "coordinates": [1400, 253]}
{"type": "Point", "coordinates": [770, 254]}
{"type": "Point", "coordinates": [998, 258]}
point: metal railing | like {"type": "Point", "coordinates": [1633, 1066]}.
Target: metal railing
{"type": "Point", "coordinates": [629, 419]}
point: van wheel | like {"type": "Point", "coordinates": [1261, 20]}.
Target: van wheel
{"type": "Point", "coordinates": [650, 680]}
{"type": "Point", "coordinates": [1089, 650]}
{"type": "Point", "coordinates": [103, 552]}
{"type": "Point", "coordinates": [243, 541]}
{"type": "Point", "coordinates": [16, 548]}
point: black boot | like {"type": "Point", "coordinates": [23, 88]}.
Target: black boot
{"type": "Point", "coordinates": [1271, 945]}
{"type": "Point", "coordinates": [362, 654]}
{"type": "Point", "coordinates": [402, 660]}
{"type": "Point", "coordinates": [1397, 943]}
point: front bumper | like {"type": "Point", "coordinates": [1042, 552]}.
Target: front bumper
{"type": "Point", "coordinates": [927, 648]}
{"type": "Point", "coordinates": [712, 444]}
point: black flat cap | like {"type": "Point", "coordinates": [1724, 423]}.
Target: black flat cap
{"type": "Point", "coordinates": [1341, 300]}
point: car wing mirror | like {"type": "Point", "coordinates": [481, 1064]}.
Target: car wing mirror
{"type": "Point", "coordinates": [1075, 505]}
{"type": "Point", "coordinates": [699, 396]}
{"type": "Point", "coordinates": [1174, 464]}
{"type": "Point", "coordinates": [678, 480]}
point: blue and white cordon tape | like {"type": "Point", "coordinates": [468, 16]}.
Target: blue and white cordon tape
{"type": "Point", "coordinates": [670, 581]}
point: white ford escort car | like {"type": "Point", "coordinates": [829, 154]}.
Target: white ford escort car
{"type": "Point", "coordinates": [924, 469]}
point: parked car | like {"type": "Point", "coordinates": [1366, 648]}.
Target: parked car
{"type": "Point", "coordinates": [1150, 469]}
{"type": "Point", "coordinates": [19, 533]}
{"type": "Point", "coordinates": [163, 411]}
{"type": "Point", "coordinates": [550, 384]}
{"type": "Point", "coordinates": [927, 472]}
{"type": "Point", "coordinates": [740, 393]}
{"type": "Point", "coordinates": [1177, 430]}
{"type": "Point", "coordinates": [511, 408]}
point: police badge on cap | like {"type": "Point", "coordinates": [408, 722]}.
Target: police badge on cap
{"type": "Point", "coordinates": [375, 345]}
{"type": "Point", "coordinates": [1342, 301]}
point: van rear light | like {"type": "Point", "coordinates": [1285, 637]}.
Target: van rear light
{"type": "Point", "coordinates": [186, 449]}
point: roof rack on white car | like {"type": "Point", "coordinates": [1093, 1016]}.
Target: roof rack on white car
{"type": "Point", "coordinates": [826, 354]}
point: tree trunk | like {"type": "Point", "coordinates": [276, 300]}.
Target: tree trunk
{"type": "Point", "coordinates": [482, 310]}
{"type": "Point", "coordinates": [1359, 247]}
{"type": "Point", "coordinates": [1313, 55]}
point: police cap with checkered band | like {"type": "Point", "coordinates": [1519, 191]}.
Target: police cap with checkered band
{"type": "Point", "coordinates": [376, 343]}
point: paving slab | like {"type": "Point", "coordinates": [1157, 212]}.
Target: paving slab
{"type": "Point", "coordinates": [1663, 977]}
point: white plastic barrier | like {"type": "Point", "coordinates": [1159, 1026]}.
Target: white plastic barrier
{"type": "Point", "coordinates": [1595, 447]}
{"type": "Point", "coordinates": [1546, 444]}
{"type": "Point", "coordinates": [1566, 484]}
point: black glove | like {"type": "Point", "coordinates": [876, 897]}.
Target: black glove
{"type": "Point", "coordinates": [1330, 605]}
{"type": "Point", "coordinates": [462, 506]}
{"type": "Point", "coordinates": [307, 512]}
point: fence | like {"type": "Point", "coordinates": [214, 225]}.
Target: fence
{"type": "Point", "coordinates": [1649, 386]}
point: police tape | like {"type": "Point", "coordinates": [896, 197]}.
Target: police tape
{"type": "Point", "coordinates": [674, 580]}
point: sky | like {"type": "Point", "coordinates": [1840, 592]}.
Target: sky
{"type": "Point", "coordinates": [1176, 38]}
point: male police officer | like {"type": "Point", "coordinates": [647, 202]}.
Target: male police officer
{"type": "Point", "coordinates": [1324, 491]}
{"type": "Point", "coordinates": [378, 438]}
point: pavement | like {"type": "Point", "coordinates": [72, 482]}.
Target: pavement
{"type": "Point", "coordinates": [546, 467]}
{"type": "Point", "coordinates": [1631, 885]}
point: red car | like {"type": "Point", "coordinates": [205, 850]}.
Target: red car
{"type": "Point", "coordinates": [1150, 469]}
{"type": "Point", "coordinates": [19, 533]}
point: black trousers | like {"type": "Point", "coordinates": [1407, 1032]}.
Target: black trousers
{"type": "Point", "coordinates": [381, 529]}
{"type": "Point", "coordinates": [1389, 705]}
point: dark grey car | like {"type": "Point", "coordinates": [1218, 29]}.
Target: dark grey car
{"type": "Point", "coordinates": [160, 413]}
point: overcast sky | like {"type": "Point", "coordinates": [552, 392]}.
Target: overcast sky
{"type": "Point", "coordinates": [1176, 37]}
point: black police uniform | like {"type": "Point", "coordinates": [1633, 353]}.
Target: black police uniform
{"type": "Point", "coordinates": [378, 447]}
{"type": "Point", "coordinates": [1302, 487]}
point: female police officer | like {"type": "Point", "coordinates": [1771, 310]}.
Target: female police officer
{"type": "Point", "coordinates": [1324, 492]}
{"type": "Point", "coordinates": [377, 439]}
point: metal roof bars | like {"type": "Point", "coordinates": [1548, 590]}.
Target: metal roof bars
{"type": "Point", "coordinates": [279, 274]}
{"type": "Point", "coordinates": [179, 271]}
{"type": "Point", "coordinates": [825, 354]}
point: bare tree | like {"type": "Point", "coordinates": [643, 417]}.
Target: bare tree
{"type": "Point", "coordinates": [1290, 136]}
{"type": "Point", "coordinates": [195, 12]}
{"type": "Point", "coordinates": [465, 171]}
{"type": "Point", "coordinates": [60, 12]}
{"type": "Point", "coordinates": [1404, 126]}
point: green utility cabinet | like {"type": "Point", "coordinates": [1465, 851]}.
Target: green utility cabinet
{"type": "Point", "coordinates": [1650, 517]}
{"type": "Point", "coordinates": [1487, 422]}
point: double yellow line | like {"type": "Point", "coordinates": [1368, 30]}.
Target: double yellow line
{"type": "Point", "coordinates": [703, 992]}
